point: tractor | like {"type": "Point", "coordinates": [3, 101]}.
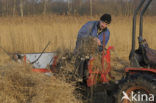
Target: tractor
{"type": "Point", "coordinates": [140, 77]}
{"type": "Point", "coordinates": [138, 85]}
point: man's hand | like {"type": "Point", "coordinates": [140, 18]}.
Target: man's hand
{"type": "Point", "coordinates": [98, 41]}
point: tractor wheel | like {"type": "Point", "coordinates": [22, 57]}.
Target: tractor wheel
{"type": "Point", "coordinates": [96, 96]}
{"type": "Point", "coordinates": [138, 89]}
{"type": "Point", "coordinates": [100, 94]}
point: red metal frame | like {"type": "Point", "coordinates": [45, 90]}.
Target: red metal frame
{"type": "Point", "coordinates": [104, 73]}
{"type": "Point", "coordinates": [41, 70]}
{"type": "Point", "coordinates": [91, 79]}
{"type": "Point", "coordinates": [141, 69]}
{"type": "Point", "coordinates": [53, 66]}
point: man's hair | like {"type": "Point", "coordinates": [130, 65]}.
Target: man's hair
{"type": "Point", "coordinates": [106, 18]}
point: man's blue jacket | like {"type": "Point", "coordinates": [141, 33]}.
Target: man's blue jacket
{"type": "Point", "coordinates": [91, 29]}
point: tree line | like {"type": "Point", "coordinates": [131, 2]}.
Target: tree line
{"type": "Point", "coordinates": [70, 7]}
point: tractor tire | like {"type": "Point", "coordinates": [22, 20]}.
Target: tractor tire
{"type": "Point", "coordinates": [100, 93]}
{"type": "Point", "coordinates": [139, 84]}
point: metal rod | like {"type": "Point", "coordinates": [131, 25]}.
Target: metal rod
{"type": "Point", "coordinates": [103, 52]}
{"type": "Point", "coordinates": [5, 51]}
{"type": "Point", "coordinates": [41, 53]}
{"type": "Point", "coordinates": [141, 17]}
{"type": "Point", "coordinates": [134, 27]}
{"type": "Point", "coordinates": [134, 24]}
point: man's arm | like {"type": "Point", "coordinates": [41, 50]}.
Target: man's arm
{"type": "Point", "coordinates": [84, 31]}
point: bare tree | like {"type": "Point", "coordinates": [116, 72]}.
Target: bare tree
{"type": "Point", "coordinates": [4, 7]}
{"type": "Point", "coordinates": [21, 8]}
{"type": "Point", "coordinates": [82, 7]}
{"type": "Point", "coordinates": [80, 3]}
{"type": "Point", "coordinates": [68, 12]}
{"type": "Point", "coordinates": [91, 8]}
{"type": "Point", "coordinates": [45, 2]}
{"type": "Point", "coordinates": [14, 8]}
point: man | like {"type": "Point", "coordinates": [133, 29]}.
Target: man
{"type": "Point", "coordinates": [95, 29]}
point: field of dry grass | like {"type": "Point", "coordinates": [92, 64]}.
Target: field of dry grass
{"type": "Point", "coordinates": [31, 34]}
{"type": "Point", "coordinates": [19, 84]}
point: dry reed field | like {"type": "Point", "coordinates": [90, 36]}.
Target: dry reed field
{"type": "Point", "coordinates": [30, 34]}
{"type": "Point", "coordinates": [19, 84]}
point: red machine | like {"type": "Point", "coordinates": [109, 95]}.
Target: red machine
{"type": "Point", "coordinates": [141, 76]}
{"type": "Point", "coordinates": [104, 72]}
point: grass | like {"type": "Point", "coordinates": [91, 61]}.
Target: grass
{"type": "Point", "coordinates": [30, 34]}
{"type": "Point", "coordinates": [19, 84]}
